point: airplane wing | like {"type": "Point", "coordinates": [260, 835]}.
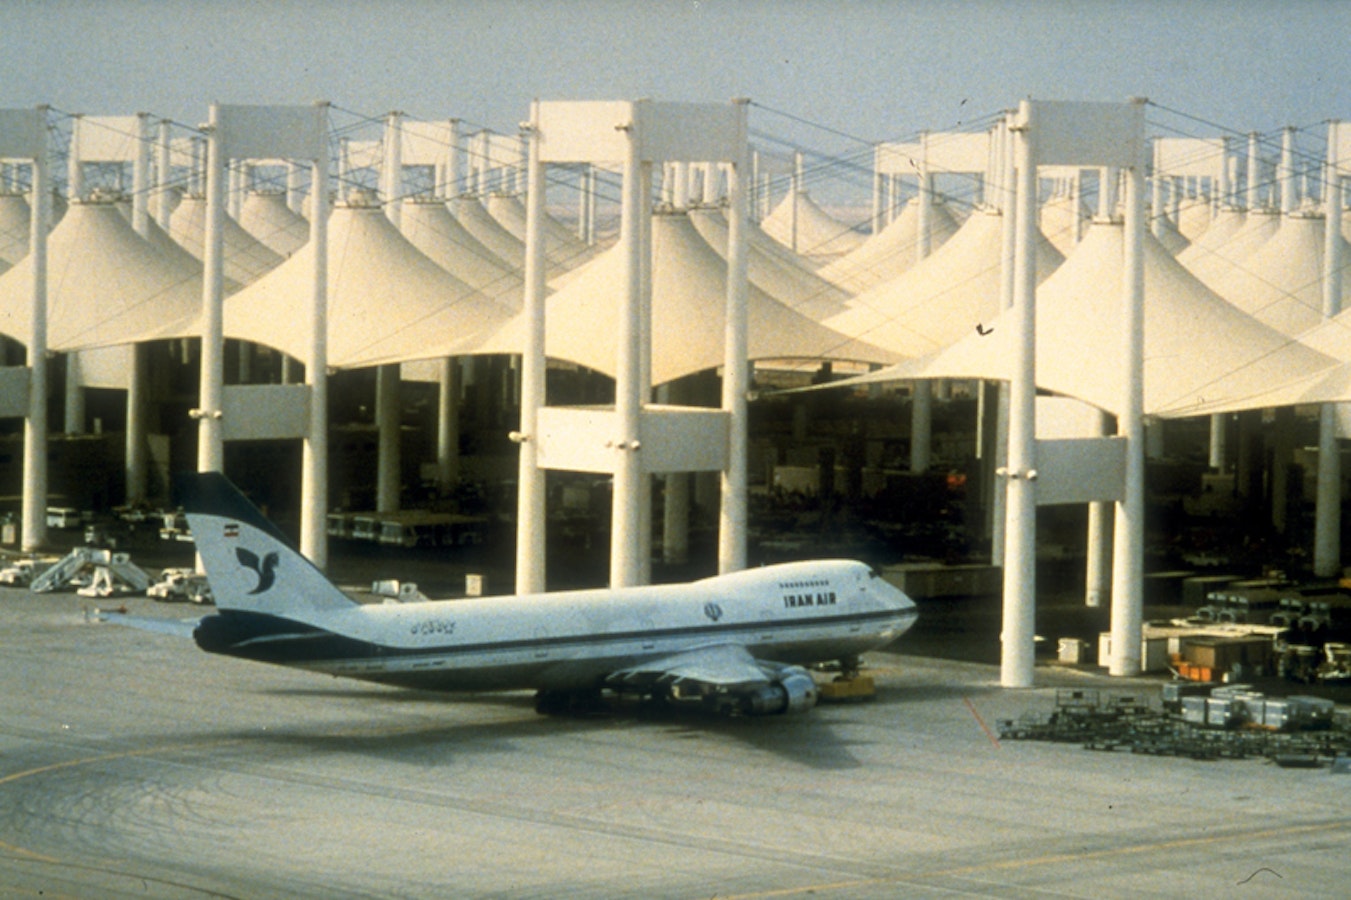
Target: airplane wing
{"type": "Point", "coordinates": [718, 665]}
{"type": "Point", "coordinates": [175, 627]}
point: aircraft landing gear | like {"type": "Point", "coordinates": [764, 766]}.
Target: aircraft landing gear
{"type": "Point", "coordinates": [570, 703]}
{"type": "Point", "coordinates": [849, 684]}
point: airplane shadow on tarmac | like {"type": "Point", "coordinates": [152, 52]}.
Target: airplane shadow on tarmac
{"type": "Point", "coordinates": [808, 740]}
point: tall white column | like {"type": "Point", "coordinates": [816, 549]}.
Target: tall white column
{"type": "Point", "coordinates": [448, 424]}
{"type": "Point", "coordinates": [921, 408]}
{"type": "Point", "coordinates": [1098, 574]}
{"type": "Point", "coordinates": [295, 202]}
{"type": "Point", "coordinates": [75, 161]}
{"type": "Point", "coordinates": [391, 180]}
{"type": "Point", "coordinates": [1218, 436]}
{"type": "Point", "coordinates": [163, 174]}
{"type": "Point", "coordinates": [1327, 559]}
{"type": "Point", "coordinates": [642, 541]}
{"type": "Point", "coordinates": [1128, 537]}
{"type": "Point", "coordinates": [74, 405]}
{"type": "Point", "coordinates": [530, 501]}
{"type": "Point", "coordinates": [626, 518]}
{"type": "Point", "coordinates": [736, 377]}
{"type": "Point", "coordinates": [387, 417]}
{"type": "Point", "coordinates": [140, 177]}
{"type": "Point", "coordinates": [210, 435]}
{"type": "Point", "coordinates": [1007, 278]}
{"type": "Point", "coordinates": [921, 426]}
{"type": "Point", "coordinates": [451, 187]}
{"type": "Point", "coordinates": [314, 449]}
{"type": "Point", "coordinates": [1018, 656]}
{"type": "Point", "coordinates": [136, 450]}
{"type": "Point", "coordinates": [234, 194]}
{"type": "Point", "coordinates": [795, 191]}
{"type": "Point", "coordinates": [35, 473]}
{"type": "Point", "coordinates": [675, 547]}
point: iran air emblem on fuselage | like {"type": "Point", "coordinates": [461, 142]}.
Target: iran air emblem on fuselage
{"type": "Point", "coordinates": [266, 569]}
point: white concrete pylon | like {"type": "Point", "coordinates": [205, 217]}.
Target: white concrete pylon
{"type": "Point", "coordinates": [531, 509]}
{"type": "Point", "coordinates": [210, 434]}
{"type": "Point", "coordinates": [314, 450]}
{"type": "Point", "coordinates": [1017, 656]}
{"type": "Point", "coordinates": [734, 515]}
{"type": "Point", "coordinates": [23, 134]}
{"type": "Point", "coordinates": [1327, 559]}
{"type": "Point", "coordinates": [1128, 534]}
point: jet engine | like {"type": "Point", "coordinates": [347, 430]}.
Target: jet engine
{"type": "Point", "coordinates": [793, 692]}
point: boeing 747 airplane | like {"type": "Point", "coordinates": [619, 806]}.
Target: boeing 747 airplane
{"type": "Point", "coordinates": [737, 642]}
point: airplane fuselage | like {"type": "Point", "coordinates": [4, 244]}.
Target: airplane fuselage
{"type": "Point", "coordinates": [797, 613]}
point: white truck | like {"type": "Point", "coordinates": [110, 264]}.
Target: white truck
{"type": "Point", "coordinates": [177, 585]}
{"type": "Point", "coordinates": [19, 572]}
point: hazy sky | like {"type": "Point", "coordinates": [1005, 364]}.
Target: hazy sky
{"type": "Point", "coordinates": [878, 70]}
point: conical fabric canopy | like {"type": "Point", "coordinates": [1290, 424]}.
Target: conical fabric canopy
{"type": "Point", "coordinates": [1166, 233]}
{"type": "Point", "coordinates": [891, 251]}
{"type": "Point", "coordinates": [159, 238]}
{"type": "Point", "coordinates": [944, 298]}
{"type": "Point", "coordinates": [387, 302]}
{"type": "Point", "coordinates": [818, 234]}
{"type": "Point", "coordinates": [689, 297]}
{"type": "Point", "coordinates": [563, 249]}
{"type": "Point", "coordinates": [488, 231]}
{"type": "Point", "coordinates": [1331, 336]}
{"type": "Point", "coordinates": [1228, 222]}
{"type": "Point", "coordinates": [1281, 284]}
{"type": "Point", "coordinates": [430, 227]}
{"type": "Point", "coordinates": [1196, 343]}
{"type": "Point", "coordinates": [15, 224]}
{"type": "Point", "coordinates": [246, 259]}
{"type": "Point", "coordinates": [271, 222]}
{"type": "Point", "coordinates": [1194, 217]}
{"type": "Point", "coordinates": [1061, 218]}
{"type": "Point", "coordinates": [792, 284]}
{"type": "Point", "coordinates": [1214, 261]}
{"type": "Point", "coordinates": [105, 285]}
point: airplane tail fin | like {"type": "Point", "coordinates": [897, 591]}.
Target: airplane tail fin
{"type": "Point", "coordinates": [249, 564]}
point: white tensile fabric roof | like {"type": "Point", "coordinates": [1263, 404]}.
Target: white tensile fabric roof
{"type": "Point", "coordinates": [561, 247]}
{"type": "Point", "coordinates": [943, 298]}
{"type": "Point", "coordinates": [689, 297]}
{"type": "Point", "coordinates": [1213, 261]}
{"type": "Point", "coordinates": [891, 251]}
{"type": "Point", "coordinates": [15, 224]}
{"type": "Point", "coordinates": [1167, 234]}
{"type": "Point", "coordinates": [105, 285]}
{"type": "Point", "coordinates": [429, 226]}
{"type": "Point", "coordinates": [1058, 218]}
{"type": "Point", "coordinates": [272, 223]}
{"type": "Point", "coordinates": [175, 251]}
{"type": "Point", "coordinates": [246, 258]}
{"type": "Point", "coordinates": [1227, 222]}
{"type": "Point", "coordinates": [1194, 217]}
{"type": "Point", "coordinates": [1199, 350]}
{"type": "Point", "coordinates": [791, 283]}
{"type": "Point", "coordinates": [818, 233]}
{"type": "Point", "coordinates": [488, 231]}
{"type": "Point", "coordinates": [1281, 284]}
{"type": "Point", "coordinates": [387, 302]}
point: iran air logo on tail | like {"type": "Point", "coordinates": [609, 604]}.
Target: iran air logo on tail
{"type": "Point", "coordinates": [266, 569]}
